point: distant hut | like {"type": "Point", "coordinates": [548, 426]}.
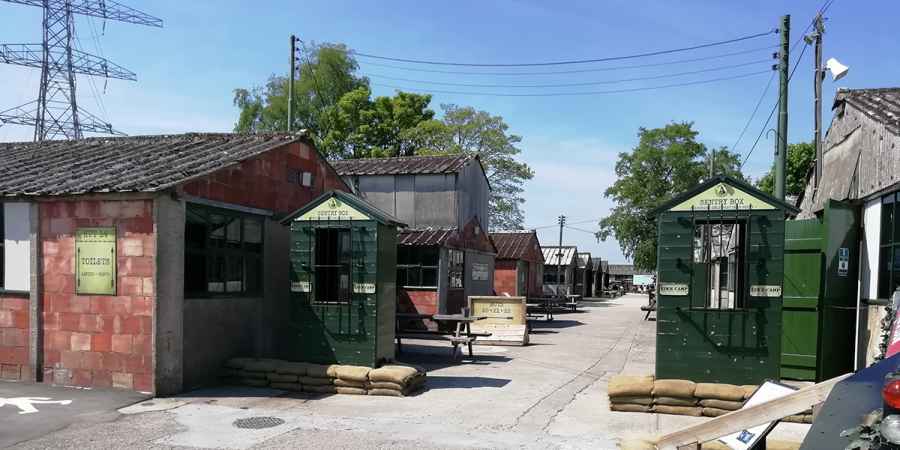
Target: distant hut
{"type": "Point", "coordinates": [584, 277]}
{"type": "Point", "coordinates": [519, 268]}
{"type": "Point", "coordinates": [564, 259]}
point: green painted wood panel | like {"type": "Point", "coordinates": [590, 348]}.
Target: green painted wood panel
{"type": "Point", "coordinates": [802, 288]}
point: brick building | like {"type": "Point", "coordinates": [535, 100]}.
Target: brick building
{"type": "Point", "coordinates": [200, 261]}
{"type": "Point", "coordinates": [519, 270]}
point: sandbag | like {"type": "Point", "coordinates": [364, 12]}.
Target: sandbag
{"type": "Point", "coordinates": [293, 368]}
{"type": "Point", "coordinates": [293, 387]}
{"type": "Point", "coordinates": [315, 381]}
{"type": "Point", "coordinates": [637, 444]}
{"type": "Point", "coordinates": [625, 407]}
{"type": "Point", "coordinates": [230, 372]}
{"type": "Point", "coordinates": [316, 370]}
{"type": "Point", "coordinates": [632, 399]}
{"type": "Point", "coordinates": [255, 382]}
{"type": "Point", "coordinates": [330, 389]}
{"type": "Point", "coordinates": [674, 401]}
{"type": "Point", "coordinates": [350, 390]}
{"type": "Point", "coordinates": [749, 389]}
{"type": "Point", "coordinates": [251, 374]}
{"type": "Point", "coordinates": [394, 374]}
{"type": "Point", "coordinates": [695, 411]}
{"type": "Point", "coordinates": [382, 385]}
{"type": "Point", "coordinates": [721, 404]}
{"type": "Point", "coordinates": [714, 412]}
{"type": "Point", "coordinates": [674, 388]}
{"type": "Point", "coordinates": [349, 373]}
{"type": "Point", "coordinates": [262, 365]}
{"type": "Point", "coordinates": [625, 385]}
{"type": "Point", "coordinates": [386, 392]}
{"type": "Point", "coordinates": [237, 363]}
{"type": "Point", "coordinates": [719, 391]}
{"type": "Point", "coordinates": [798, 418]}
{"type": "Point", "coordinates": [281, 378]}
{"type": "Point", "coordinates": [350, 384]}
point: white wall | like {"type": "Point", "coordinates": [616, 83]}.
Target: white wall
{"type": "Point", "coordinates": [17, 246]}
{"type": "Point", "coordinates": [868, 258]}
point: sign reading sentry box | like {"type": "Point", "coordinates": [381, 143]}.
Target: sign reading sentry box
{"type": "Point", "coordinates": [95, 261]}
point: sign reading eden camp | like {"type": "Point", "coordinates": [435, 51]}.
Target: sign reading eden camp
{"type": "Point", "coordinates": [95, 261]}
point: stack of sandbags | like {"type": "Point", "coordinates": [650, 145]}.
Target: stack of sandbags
{"type": "Point", "coordinates": [718, 399]}
{"type": "Point", "coordinates": [676, 397]}
{"type": "Point", "coordinates": [630, 393]}
{"type": "Point", "coordinates": [316, 379]}
{"type": "Point", "coordinates": [352, 380]}
{"type": "Point", "coordinates": [395, 380]}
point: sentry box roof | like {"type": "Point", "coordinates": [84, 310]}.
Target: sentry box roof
{"type": "Point", "coordinates": [724, 193]}
{"type": "Point", "coordinates": [339, 205]}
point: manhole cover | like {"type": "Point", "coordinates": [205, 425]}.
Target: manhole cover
{"type": "Point", "coordinates": [256, 423]}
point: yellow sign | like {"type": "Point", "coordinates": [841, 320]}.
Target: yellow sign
{"type": "Point", "coordinates": [722, 196]}
{"type": "Point", "coordinates": [333, 209]}
{"type": "Point", "coordinates": [95, 261]}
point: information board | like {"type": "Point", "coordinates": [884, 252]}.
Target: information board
{"type": "Point", "coordinates": [95, 261]}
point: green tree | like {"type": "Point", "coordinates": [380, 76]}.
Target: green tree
{"type": "Point", "coordinates": [467, 130]}
{"type": "Point", "coordinates": [800, 158]}
{"type": "Point", "coordinates": [666, 162]}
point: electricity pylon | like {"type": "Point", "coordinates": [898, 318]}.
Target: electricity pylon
{"type": "Point", "coordinates": [55, 113]}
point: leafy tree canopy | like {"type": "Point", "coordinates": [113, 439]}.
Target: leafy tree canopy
{"type": "Point", "coordinates": [666, 162]}
{"type": "Point", "coordinates": [800, 158]}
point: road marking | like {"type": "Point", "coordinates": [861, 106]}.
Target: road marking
{"type": "Point", "coordinates": [26, 404]}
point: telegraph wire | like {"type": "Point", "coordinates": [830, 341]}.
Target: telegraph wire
{"type": "Point", "coordinates": [569, 94]}
{"type": "Point", "coordinates": [558, 85]}
{"type": "Point", "coordinates": [567, 62]}
{"type": "Point", "coordinates": [592, 233]}
{"type": "Point", "coordinates": [565, 72]}
{"type": "Point", "coordinates": [753, 114]}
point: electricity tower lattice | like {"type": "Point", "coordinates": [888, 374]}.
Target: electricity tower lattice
{"type": "Point", "coordinates": [55, 113]}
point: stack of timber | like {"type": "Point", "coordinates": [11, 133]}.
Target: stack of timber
{"type": "Point", "coordinates": [388, 380]}
{"type": "Point", "coordinates": [681, 397]}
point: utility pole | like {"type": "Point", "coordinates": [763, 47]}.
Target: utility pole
{"type": "Point", "coordinates": [781, 144]}
{"type": "Point", "coordinates": [559, 254]}
{"type": "Point", "coordinates": [817, 86]}
{"type": "Point", "coordinates": [290, 116]}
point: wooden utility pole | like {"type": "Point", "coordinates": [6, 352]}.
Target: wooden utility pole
{"type": "Point", "coordinates": [781, 144]}
{"type": "Point", "coordinates": [559, 254]}
{"type": "Point", "coordinates": [293, 61]}
{"type": "Point", "coordinates": [817, 86]}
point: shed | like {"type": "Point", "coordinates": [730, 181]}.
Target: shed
{"type": "Point", "coordinates": [584, 268]}
{"type": "Point", "coordinates": [343, 285]}
{"type": "Point", "coordinates": [519, 269]}
{"type": "Point", "coordinates": [560, 264]}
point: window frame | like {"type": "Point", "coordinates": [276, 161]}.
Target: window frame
{"type": "Point", "coordinates": [340, 263]}
{"type": "Point", "coordinates": [888, 246]}
{"type": "Point", "coordinates": [217, 250]}
{"type": "Point", "coordinates": [456, 269]}
{"type": "Point", "coordinates": [2, 246]}
{"type": "Point", "coordinates": [415, 263]}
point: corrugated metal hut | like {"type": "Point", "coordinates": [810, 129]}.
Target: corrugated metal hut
{"type": "Point", "coordinates": [519, 270]}
{"type": "Point", "coordinates": [559, 269]}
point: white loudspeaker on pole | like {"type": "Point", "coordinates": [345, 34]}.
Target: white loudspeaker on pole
{"type": "Point", "coordinates": [837, 69]}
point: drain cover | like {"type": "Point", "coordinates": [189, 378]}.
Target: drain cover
{"type": "Point", "coordinates": [256, 423]}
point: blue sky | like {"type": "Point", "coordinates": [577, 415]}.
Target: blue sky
{"type": "Point", "coordinates": [188, 69]}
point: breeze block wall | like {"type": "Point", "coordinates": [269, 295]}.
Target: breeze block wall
{"type": "Point", "coordinates": [505, 277]}
{"type": "Point", "coordinates": [14, 337]}
{"type": "Point", "coordinates": [99, 340]}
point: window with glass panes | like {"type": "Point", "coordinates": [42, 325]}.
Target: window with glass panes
{"type": "Point", "coordinates": [456, 268]}
{"type": "Point", "coordinates": [889, 255]}
{"type": "Point", "coordinates": [417, 266]}
{"type": "Point", "coordinates": [223, 252]}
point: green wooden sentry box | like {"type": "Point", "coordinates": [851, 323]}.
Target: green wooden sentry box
{"type": "Point", "coordinates": [343, 297]}
{"type": "Point", "coordinates": [740, 345]}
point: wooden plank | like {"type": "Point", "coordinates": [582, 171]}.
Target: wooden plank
{"type": "Point", "coordinates": [742, 419]}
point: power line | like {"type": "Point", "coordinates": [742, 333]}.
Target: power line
{"type": "Point", "coordinates": [565, 72]}
{"type": "Point", "coordinates": [579, 222]}
{"type": "Point", "coordinates": [569, 94]}
{"type": "Point", "coordinates": [753, 114]}
{"type": "Point", "coordinates": [558, 85]}
{"type": "Point", "coordinates": [771, 113]}
{"type": "Point", "coordinates": [593, 233]}
{"type": "Point", "coordinates": [568, 62]}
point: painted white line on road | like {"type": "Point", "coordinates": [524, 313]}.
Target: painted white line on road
{"type": "Point", "coordinates": [26, 404]}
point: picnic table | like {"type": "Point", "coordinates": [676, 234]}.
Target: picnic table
{"type": "Point", "coordinates": [572, 301]}
{"type": "Point", "coordinates": [462, 335]}
{"type": "Point", "coordinates": [543, 305]}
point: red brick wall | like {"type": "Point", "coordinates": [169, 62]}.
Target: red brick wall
{"type": "Point", "coordinates": [505, 277]}
{"type": "Point", "coordinates": [265, 181]}
{"type": "Point", "coordinates": [417, 302]}
{"type": "Point", "coordinates": [14, 338]}
{"type": "Point", "coordinates": [99, 341]}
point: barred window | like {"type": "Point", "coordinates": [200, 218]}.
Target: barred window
{"type": "Point", "coordinates": [223, 252]}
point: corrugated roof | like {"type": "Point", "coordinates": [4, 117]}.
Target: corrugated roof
{"type": "Point", "coordinates": [425, 236]}
{"type": "Point", "coordinates": [882, 105]}
{"type": "Point", "coordinates": [404, 165]}
{"type": "Point", "coordinates": [513, 244]}
{"type": "Point", "coordinates": [621, 269]}
{"type": "Point", "coordinates": [124, 164]}
{"type": "Point", "coordinates": [583, 259]}
{"type": "Point", "coordinates": [552, 255]}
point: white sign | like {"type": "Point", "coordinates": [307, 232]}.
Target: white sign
{"type": "Point", "coordinates": [26, 404]}
{"type": "Point", "coordinates": [301, 286]}
{"type": "Point", "coordinates": [746, 439]}
{"type": "Point", "coordinates": [843, 261]}
{"type": "Point", "coordinates": [363, 288]}
{"type": "Point", "coordinates": [480, 272]}
{"type": "Point", "coordinates": [765, 290]}
{"type": "Point", "coordinates": [642, 280]}
{"type": "Point", "coordinates": [678, 289]}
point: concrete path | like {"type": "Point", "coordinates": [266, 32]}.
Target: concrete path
{"type": "Point", "coordinates": [29, 411]}
{"type": "Point", "coordinates": [551, 394]}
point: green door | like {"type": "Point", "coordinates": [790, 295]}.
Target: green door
{"type": "Point", "coordinates": [838, 311]}
{"type": "Point", "coordinates": [802, 288]}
